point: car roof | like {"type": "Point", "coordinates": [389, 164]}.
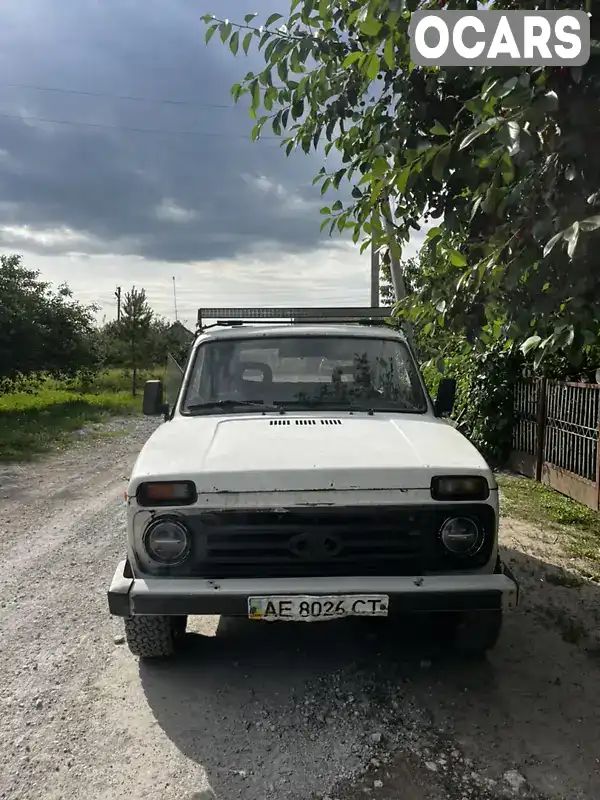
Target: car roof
{"type": "Point", "coordinates": [298, 329]}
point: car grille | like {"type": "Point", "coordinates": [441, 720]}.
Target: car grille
{"type": "Point", "coordinates": [328, 542]}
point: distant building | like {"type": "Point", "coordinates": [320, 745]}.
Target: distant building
{"type": "Point", "coordinates": [181, 334]}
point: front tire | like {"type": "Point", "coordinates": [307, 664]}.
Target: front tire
{"type": "Point", "coordinates": [154, 636]}
{"type": "Point", "coordinates": [477, 632]}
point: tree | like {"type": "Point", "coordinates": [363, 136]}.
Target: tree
{"type": "Point", "coordinates": [503, 159]}
{"type": "Point", "coordinates": [486, 378]}
{"type": "Point", "coordinates": [159, 338]}
{"type": "Point", "coordinates": [134, 327]}
{"type": "Point", "coordinates": [41, 330]}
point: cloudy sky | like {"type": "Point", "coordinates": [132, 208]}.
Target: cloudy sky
{"type": "Point", "coordinates": [123, 162]}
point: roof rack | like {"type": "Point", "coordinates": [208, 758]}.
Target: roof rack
{"type": "Point", "coordinates": [313, 316]}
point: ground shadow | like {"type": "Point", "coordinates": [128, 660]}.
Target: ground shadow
{"type": "Point", "coordinates": [245, 702]}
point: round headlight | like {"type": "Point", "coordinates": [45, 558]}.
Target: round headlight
{"type": "Point", "coordinates": [461, 536]}
{"type": "Point", "coordinates": [167, 541]}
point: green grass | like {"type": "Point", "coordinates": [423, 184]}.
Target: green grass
{"type": "Point", "coordinates": [46, 416]}
{"type": "Point", "coordinates": [112, 381]}
{"type": "Point", "coordinates": [577, 525]}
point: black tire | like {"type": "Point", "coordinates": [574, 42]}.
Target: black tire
{"type": "Point", "coordinates": [477, 632]}
{"type": "Point", "coordinates": [179, 625]}
{"type": "Point", "coordinates": [154, 636]}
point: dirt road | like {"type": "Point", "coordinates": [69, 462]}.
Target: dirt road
{"type": "Point", "coordinates": [256, 712]}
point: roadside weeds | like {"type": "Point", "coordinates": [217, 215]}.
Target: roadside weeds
{"type": "Point", "coordinates": [47, 414]}
{"type": "Point", "coordinates": [562, 540]}
{"type": "Point", "coordinates": [567, 528]}
{"type": "Point", "coordinates": [33, 424]}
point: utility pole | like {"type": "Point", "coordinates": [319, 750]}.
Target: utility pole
{"type": "Point", "coordinates": [175, 298]}
{"type": "Point", "coordinates": [374, 276]}
{"type": "Point", "coordinates": [375, 266]}
{"type": "Point", "coordinates": [397, 277]}
{"type": "Point", "coordinates": [395, 268]}
{"type": "Point", "coordinates": [118, 296]}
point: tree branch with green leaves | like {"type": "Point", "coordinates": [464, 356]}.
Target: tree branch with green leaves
{"type": "Point", "coordinates": [501, 158]}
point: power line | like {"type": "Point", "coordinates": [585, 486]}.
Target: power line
{"type": "Point", "coordinates": [101, 126]}
{"type": "Point", "coordinates": [158, 101]}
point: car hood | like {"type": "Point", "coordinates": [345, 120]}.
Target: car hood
{"type": "Point", "coordinates": [251, 453]}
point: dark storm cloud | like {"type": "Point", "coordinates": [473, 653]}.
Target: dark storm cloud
{"type": "Point", "coordinates": [201, 192]}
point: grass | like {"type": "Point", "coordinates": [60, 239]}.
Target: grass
{"type": "Point", "coordinates": [45, 416]}
{"type": "Point", "coordinates": [578, 526]}
{"type": "Point", "coordinates": [110, 381]}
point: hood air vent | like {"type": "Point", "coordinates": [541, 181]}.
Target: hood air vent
{"type": "Point", "coordinates": [305, 422]}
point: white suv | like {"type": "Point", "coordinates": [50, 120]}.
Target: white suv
{"type": "Point", "coordinates": [304, 474]}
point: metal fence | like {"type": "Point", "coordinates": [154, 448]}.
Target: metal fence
{"type": "Point", "coordinates": [555, 436]}
{"type": "Point", "coordinates": [525, 412]}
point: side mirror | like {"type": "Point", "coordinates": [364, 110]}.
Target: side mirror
{"type": "Point", "coordinates": [446, 394]}
{"type": "Point", "coordinates": [153, 404]}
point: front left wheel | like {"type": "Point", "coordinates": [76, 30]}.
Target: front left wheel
{"type": "Point", "coordinates": [477, 632]}
{"type": "Point", "coordinates": [154, 636]}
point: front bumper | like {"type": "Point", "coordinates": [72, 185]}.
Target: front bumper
{"type": "Point", "coordinates": [181, 596]}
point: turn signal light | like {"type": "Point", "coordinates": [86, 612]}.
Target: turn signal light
{"type": "Point", "coordinates": [460, 487]}
{"type": "Point", "coordinates": [166, 493]}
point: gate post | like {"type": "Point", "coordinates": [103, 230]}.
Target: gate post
{"type": "Point", "coordinates": [597, 461]}
{"type": "Point", "coordinates": [540, 433]}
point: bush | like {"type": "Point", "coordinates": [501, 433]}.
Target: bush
{"type": "Point", "coordinates": [485, 384]}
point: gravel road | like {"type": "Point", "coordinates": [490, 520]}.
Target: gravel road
{"type": "Point", "coordinates": [339, 711]}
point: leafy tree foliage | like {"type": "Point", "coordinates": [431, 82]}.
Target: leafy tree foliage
{"type": "Point", "coordinates": [46, 332]}
{"type": "Point", "coordinates": [159, 338]}
{"type": "Point", "coordinates": [141, 339]}
{"type": "Point", "coordinates": [502, 160]}
{"type": "Point", "coordinates": [486, 379]}
{"type": "Point", "coordinates": [133, 331]}
{"type": "Point", "coordinates": [41, 329]}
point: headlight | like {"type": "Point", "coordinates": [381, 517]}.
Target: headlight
{"type": "Point", "coordinates": [461, 536]}
{"type": "Point", "coordinates": [460, 487]}
{"type": "Point", "coordinates": [167, 541]}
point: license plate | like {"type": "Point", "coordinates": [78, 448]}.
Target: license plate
{"type": "Point", "coordinates": [321, 608]}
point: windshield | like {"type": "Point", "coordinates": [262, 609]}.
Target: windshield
{"type": "Point", "coordinates": [299, 372]}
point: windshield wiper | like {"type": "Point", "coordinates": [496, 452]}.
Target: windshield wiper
{"type": "Point", "coordinates": [322, 405]}
{"type": "Point", "coordinates": [231, 404]}
{"type": "Point", "coordinates": [346, 405]}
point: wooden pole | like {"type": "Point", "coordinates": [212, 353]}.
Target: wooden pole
{"type": "Point", "coordinates": [374, 276]}
{"type": "Point", "coordinates": [397, 277]}
{"type": "Point", "coordinates": [540, 429]}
